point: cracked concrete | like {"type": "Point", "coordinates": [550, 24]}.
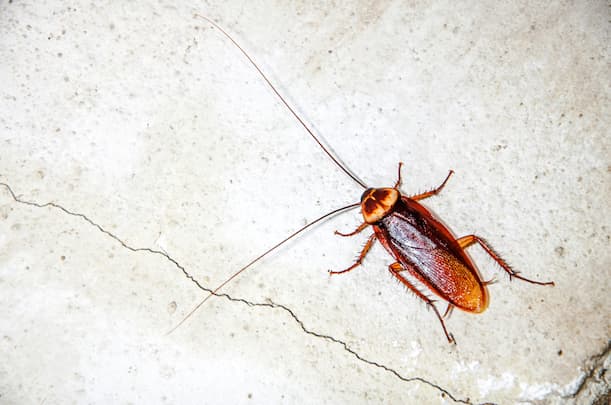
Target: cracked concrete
{"type": "Point", "coordinates": [143, 161]}
{"type": "Point", "coordinates": [269, 304]}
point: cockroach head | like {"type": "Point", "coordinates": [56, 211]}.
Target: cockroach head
{"type": "Point", "coordinates": [376, 203]}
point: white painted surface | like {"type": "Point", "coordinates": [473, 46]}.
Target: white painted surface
{"type": "Point", "coordinates": [149, 123]}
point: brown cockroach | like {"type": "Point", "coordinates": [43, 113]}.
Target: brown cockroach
{"type": "Point", "coordinates": [421, 246]}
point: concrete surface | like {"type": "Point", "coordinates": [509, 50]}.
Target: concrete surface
{"type": "Point", "coordinates": [145, 154]}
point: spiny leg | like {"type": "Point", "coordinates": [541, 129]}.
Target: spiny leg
{"type": "Point", "coordinates": [434, 191]}
{"type": "Point", "coordinates": [395, 269]}
{"type": "Point", "coordinates": [357, 230]}
{"type": "Point", "coordinates": [362, 255]}
{"type": "Point", "coordinates": [468, 240]}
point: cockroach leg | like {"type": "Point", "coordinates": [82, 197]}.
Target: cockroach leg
{"type": "Point", "coordinates": [449, 310]}
{"type": "Point", "coordinates": [493, 280]}
{"type": "Point", "coordinates": [357, 230]}
{"type": "Point", "coordinates": [433, 191]}
{"type": "Point", "coordinates": [395, 269]}
{"type": "Point", "coordinates": [362, 255]}
{"type": "Point", "coordinates": [468, 240]}
{"type": "Point", "coordinates": [398, 183]}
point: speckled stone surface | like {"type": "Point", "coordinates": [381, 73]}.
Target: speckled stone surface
{"type": "Point", "coordinates": [142, 157]}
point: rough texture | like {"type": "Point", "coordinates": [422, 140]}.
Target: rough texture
{"type": "Point", "coordinates": [143, 160]}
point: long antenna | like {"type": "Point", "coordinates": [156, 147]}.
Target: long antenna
{"type": "Point", "coordinates": [341, 166]}
{"type": "Point", "coordinates": [237, 273]}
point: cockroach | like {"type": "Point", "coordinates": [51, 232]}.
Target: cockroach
{"type": "Point", "coordinates": [422, 247]}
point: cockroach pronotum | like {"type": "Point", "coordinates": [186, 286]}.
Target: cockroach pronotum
{"type": "Point", "coordinates": [421, 246]}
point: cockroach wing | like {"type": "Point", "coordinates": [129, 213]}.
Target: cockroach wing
{"type": "Point", "coordinates": [429, 252]}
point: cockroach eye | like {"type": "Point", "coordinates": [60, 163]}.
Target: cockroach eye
{"type": "Point", "coordinates": [365, 194]}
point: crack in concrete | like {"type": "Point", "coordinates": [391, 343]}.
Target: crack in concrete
{"type": "Point", "coordinates": [595, 366]}
{"type": "Point", "coordinates": [269, 304]}
{"type": "Point", "coordinates": [359, 357]}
